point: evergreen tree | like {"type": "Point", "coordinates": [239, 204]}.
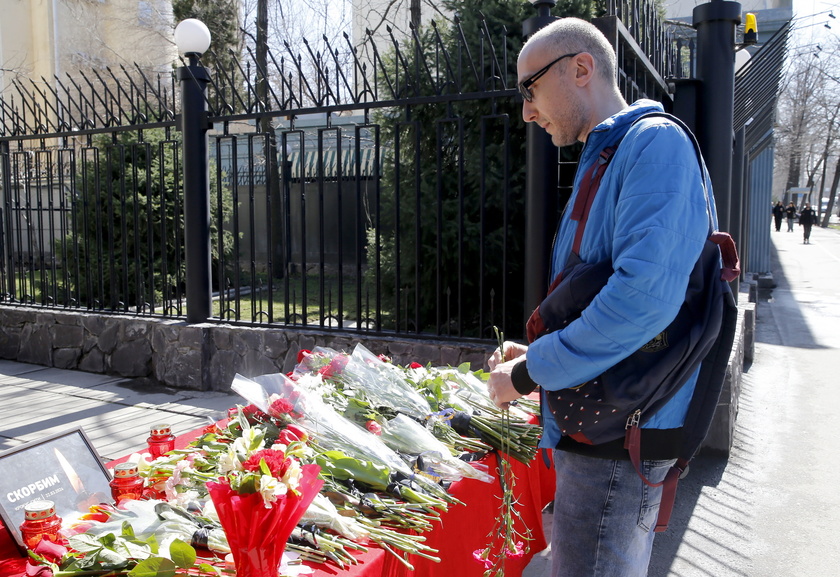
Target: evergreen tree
{"type": "Point", "coordinates": [125, 250]}
{"type": "Point", "coordinates": [453, 232]}
{"type": "Point", "coordinates": [222, 19]}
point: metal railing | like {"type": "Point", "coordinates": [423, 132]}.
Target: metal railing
{"type": "Point", "coordinates": [363, 188]}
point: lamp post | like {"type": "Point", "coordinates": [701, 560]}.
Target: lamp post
{"type": "Point", "coordinates": [541, 179]}
{"type": "Point", "coordinates": [193, 39]}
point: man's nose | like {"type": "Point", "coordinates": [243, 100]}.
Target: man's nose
{"type": "Point", "coordinates": [529, 112]}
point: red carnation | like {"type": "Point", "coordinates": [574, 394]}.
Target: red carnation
{"type": "Point", "coordinates": [374, 427]}
{"type": "Point", "coordinates": [335, 367]}
{"type": "Point", "coordinates": [252, 413]}
{"type": "Point", "coordinates": [415, 365]}
{"type": "Point", "coordinates": [280, 407]}
{"type": "Point", "coordinates": [276, 461]}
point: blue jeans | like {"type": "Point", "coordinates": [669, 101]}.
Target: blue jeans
{"type": "Point", "coordinates": [604, 516]}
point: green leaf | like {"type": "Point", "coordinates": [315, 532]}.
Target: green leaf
{"type": "Point", "coordinates": [127, 530]}
{"type": "Point", "coordinates": [207, 568]}
{"type": "Point", "coordinates": [84, 543]}
{"type": "Point", "coordinates": [464, 368]}
{"type": "Point", "coordinates": [340, 466]}
{"type": "Point", "coordinates": [154, 567]}
{"type": "Point", "coordinates": [133, 549]}
{"type": "Point", "coordinates": [182, 554]}
{"type": "Point", "coordinates": [264, 468]}
{"type": "Point", "coordinates": [152, 542]}
{"type": "Point", "coordinates": [247, 484]}
{"type": "Point", "coordinates": [109, 559]}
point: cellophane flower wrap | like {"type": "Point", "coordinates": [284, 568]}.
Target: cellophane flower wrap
{"type": "Point", "coordinates": [259, 504]}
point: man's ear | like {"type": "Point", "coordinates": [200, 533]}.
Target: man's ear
{"type": "Point", "coordinates": [584, 68]}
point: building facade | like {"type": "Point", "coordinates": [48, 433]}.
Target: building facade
{"type": "Point", "coordinates": [41, 39]}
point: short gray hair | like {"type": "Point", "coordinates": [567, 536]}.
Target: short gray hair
{"type": "Point", "coordinates": [576, 35]}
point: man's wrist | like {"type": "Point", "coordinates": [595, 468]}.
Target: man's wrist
{"type": "Point", "coordinates": [521, 380]}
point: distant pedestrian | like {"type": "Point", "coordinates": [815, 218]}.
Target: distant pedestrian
{"type": "Point", "coordinates": [790, 212]}
{"type": "Point", "coordinates": [778, 215]}
{"type": "Point", "coordinates": [807, 219]}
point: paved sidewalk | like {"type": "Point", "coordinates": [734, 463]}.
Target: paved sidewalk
{"type": "Point", "coordinates": [771, 508]}
{"type": "Point", "coordinates": [114, 413]}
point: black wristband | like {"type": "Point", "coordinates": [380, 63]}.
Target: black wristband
{"type": "Point", "coordinates": [521, 380]}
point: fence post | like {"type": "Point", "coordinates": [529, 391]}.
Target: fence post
{"type": "Point", "coordinates": [541, 182]}
{"type": "Point", "coordinates": [715, 22]}
{"type": "Point", "coordinates": [192, 41]}
{"type": "Point", "coordinates": [7, 276]}
{"type": "Point", "coordinates": [736, 220]}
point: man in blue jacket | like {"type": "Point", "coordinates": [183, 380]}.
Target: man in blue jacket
{"type": "Point", "coordinates": [651, 219]}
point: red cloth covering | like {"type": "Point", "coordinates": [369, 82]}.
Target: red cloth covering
{"type": "Point", "coordinates": [466, 528]}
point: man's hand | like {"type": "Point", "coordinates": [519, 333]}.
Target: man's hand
{"type": "Point", "coordinates": [499, 386]}
{"type": "Point", "coordinates": [511, 351]}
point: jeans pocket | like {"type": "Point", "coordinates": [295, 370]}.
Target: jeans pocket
{"type": "Point", "coordinates": [654, 471]}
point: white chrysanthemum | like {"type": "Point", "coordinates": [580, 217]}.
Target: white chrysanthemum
{"type": "Point", "coordinates": [310, 382]}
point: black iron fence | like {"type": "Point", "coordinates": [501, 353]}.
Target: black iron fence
{"type": "Point", "coordinates": [366, 188]}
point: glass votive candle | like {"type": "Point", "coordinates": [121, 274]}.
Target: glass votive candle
{"type": "Point", "coordinates": [160, 441]}
{"type": "Point", "coordinates": [40, 522]}
{"type": "Point", "coordinates": [127, 483]}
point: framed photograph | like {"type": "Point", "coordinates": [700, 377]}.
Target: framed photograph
{"type": "Point", "coordinates": [63, 468]}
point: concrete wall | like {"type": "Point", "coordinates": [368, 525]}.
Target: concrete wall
{"type": "Point", "coordinates": [196, 357]}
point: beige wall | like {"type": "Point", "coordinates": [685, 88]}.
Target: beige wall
{"type": "Point", "coordinates": [40, 38]}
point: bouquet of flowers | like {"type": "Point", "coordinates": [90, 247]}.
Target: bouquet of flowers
{"type": "Point", "coordinates": [453, 403]}
{"type": "Point", "coordinates": [259, 500]}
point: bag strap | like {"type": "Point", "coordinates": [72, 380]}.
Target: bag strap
{"type": "Point", "coordinates": [590, 184]}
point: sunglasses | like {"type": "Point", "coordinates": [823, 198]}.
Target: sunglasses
{"type": "Point", "coordinates": [525, 85]}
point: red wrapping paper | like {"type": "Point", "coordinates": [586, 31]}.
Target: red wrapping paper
{"type": "Point", "coordinates": [257, 534]}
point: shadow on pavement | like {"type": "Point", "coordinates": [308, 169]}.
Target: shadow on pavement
{"type": "Point", "coordinates": [676, 552]}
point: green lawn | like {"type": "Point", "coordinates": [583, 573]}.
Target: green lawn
{"type": "Point", "coordinates": [255, 305]}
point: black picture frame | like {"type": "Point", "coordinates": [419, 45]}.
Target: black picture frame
{"type": "Point", "coordinates": [64, 468]}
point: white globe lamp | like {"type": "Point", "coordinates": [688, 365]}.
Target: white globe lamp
{"type": "Point", "coordinates": [192, 37]}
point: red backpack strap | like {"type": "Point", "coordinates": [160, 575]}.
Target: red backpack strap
{"type": "Point", "coordinates": [580, 212]}
{"type": "Point", "coordinates": [632, 442]}
{"type": "Point", "coordinates": [589, 188]}
{"type": "Point", "coordinates": [731, 268]}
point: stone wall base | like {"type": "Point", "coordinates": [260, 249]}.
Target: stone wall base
{"type": "Point", "coordinates": [195, 357]}
{"type": "Point", "coordinates": [722, 431]}
{"type": "Point", "coordinates": [207, 356]}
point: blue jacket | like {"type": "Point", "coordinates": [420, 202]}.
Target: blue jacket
{"type": "Point", "coordinates": [651, 217]}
